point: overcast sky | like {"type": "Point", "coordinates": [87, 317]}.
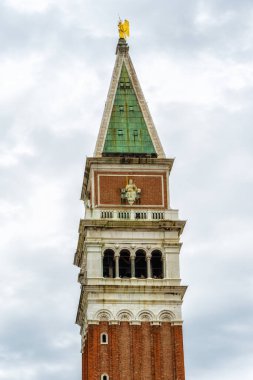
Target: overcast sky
{"type": "Point", "coordinates": [194, 60]}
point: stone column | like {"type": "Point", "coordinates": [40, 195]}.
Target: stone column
{"type": "Point", "coordinates": [116, 258]}
{"type": "Point", "coordinates": [132, 258]}
{"type": "Point", "coordinates": [148, 260]}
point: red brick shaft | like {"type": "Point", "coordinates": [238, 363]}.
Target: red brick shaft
{"type": "Point", "coordinates": [134, 352]}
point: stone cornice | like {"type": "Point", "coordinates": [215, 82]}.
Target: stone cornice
{"type": "Point", "coordinates": [169, 290]}
{"type": "Point", "coordinates": [168, 225]}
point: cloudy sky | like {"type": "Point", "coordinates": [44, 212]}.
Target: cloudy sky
{"type": "Point", "coordinates": [194, 60]}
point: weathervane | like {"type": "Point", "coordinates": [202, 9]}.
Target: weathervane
{"type": "Point", "coordinates": [124, 30]}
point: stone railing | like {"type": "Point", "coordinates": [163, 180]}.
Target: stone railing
{"type": "Point", "coordinates": [131, 214]}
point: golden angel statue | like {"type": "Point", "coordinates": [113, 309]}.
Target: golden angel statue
{"type": "Point", "coordinates": [124, 29]}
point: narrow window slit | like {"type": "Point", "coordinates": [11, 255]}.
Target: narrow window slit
{"type": "Point", "coordinates": [104, 338]}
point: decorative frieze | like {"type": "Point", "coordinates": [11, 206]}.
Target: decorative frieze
{"type": "Point", "coordinates": [126, 315]}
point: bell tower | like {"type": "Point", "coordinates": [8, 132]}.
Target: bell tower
{"type": "Point", "coordinates": [129, 311]}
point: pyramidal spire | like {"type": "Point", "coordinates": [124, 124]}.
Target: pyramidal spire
{"type": "Point", "coordinates": [127, 127]}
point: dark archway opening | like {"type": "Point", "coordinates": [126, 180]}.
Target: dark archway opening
{"type": "Point", "coordinates": [108, 264]}
{"type": "Point", "coordinates": [156, 264]}
{"type": "Point", "coordinates": [140, 264]}
{"type": "Point", "coordinates": [124, 264]}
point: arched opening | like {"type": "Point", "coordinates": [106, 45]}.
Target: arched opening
{"type": "Point", "coordinates": [104, 338]}
{"type": "Point", "coordinates": [156, 264]}
{"type": "Point", "coordinates": [140, 264]}
{"type": "Point", "coordinates": [104, 377]}
{"type": "Point", "coordinates": [124, 264]}
{"type": "Point", "coordinates": [108, 264]}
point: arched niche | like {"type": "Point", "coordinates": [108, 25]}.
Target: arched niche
{"type": "Point", "coordinates": [124, 264]}
{"type": "Point", "coordinates": [140, 264]}
{"type": "Point", "coordinates": [145, 316]}
{"type": "Point", "coordinates": [125, 315]}
{"type": "Point", "coordinates": [103, 315]}
{"type": "Point", "coordinates": [108, 264]}
{"type": "Point", "coordinates": [166, 316]}
{"type": "Point", "coordinates": [156, 264]}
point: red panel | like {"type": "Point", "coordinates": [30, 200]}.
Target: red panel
{"type": "Point", "coordinates": [153, 187]}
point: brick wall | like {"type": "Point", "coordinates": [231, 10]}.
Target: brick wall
{"type": "Point", "coordinates": [153, 188]}
{"type": "Point", "coordinates": [134, 352]}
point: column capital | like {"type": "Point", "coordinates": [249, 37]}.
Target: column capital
{"type": "Point", "coordinates": [116, 247]}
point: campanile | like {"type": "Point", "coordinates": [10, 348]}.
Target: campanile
{"type": "Point", "coordinates": [129, 243]}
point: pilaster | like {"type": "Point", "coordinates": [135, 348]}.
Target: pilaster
{"type": "Point", "coordinates": [171, 252]}
{"type": "Point", "coordinates": [94, 254]}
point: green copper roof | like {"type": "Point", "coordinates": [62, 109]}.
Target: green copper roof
{"type": "Point", "coordinates": [127, 131]}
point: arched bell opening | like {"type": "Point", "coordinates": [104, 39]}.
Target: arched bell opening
{"type": "Point", "coordinates": [140, 264]}
{"type": "Point", "coordinates": [124, 264]}
{"type": "Point", "coordinates": [108, 264]}
{"type": "Point", "coordinates": [157, 264]}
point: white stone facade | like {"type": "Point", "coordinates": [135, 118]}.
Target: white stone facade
{"type": "Point", "coordinates": [132, 299]}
